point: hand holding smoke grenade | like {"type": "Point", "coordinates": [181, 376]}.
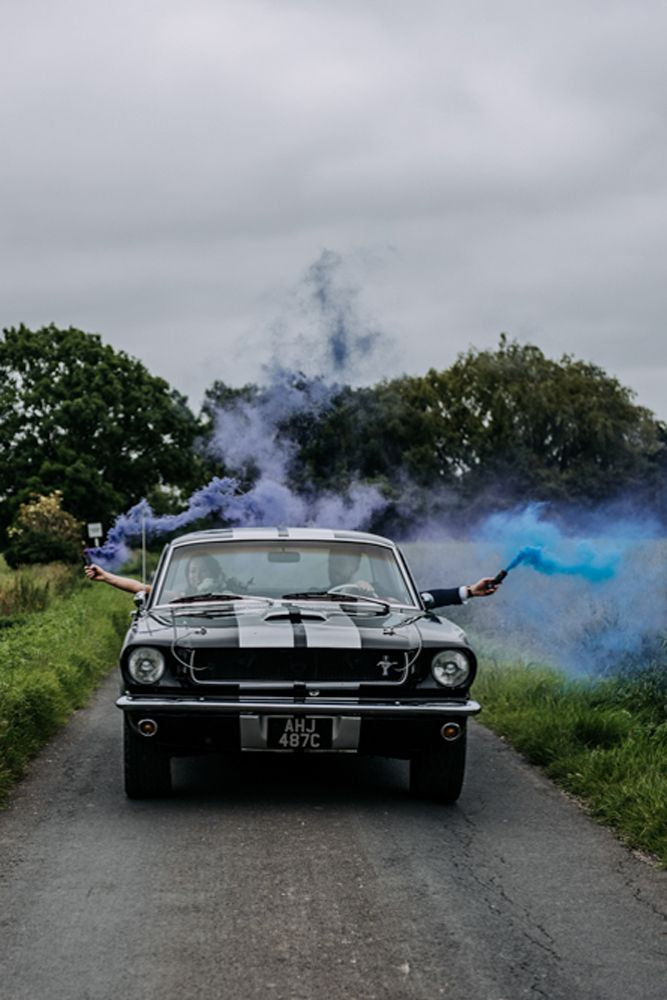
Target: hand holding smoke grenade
{"type": "Point", "coordinates": [497, 580]}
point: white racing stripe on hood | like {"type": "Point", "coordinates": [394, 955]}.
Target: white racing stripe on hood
{"type": "Point", "coordinates": [340, 632]}
{"type": "Point", "coordinates": [261, 634]}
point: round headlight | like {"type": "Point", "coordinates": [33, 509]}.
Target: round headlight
{"type": "Point", "coordinates": [451, 668]}
{"type": "Point", "coordinates": [146, 665]}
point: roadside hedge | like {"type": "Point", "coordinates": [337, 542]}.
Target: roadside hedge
{"type": "Point", "coordinates": [49, 665]}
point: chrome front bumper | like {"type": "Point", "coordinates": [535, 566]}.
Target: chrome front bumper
{"type": "Point", "coordinates": [284, 706]}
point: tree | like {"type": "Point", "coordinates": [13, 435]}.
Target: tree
{"type": "Point", "coordinates": [524, 426]}
{"type": "Point", "coordinates": [77, 416]}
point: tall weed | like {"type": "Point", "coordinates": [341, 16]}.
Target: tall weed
{"type": "Point", "coordinates": [31, 590]}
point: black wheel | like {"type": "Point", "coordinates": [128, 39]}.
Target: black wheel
{"type": "Point", "coordinates": [146, 766]}
{"type": "Point", "coordinates": [438, 774]}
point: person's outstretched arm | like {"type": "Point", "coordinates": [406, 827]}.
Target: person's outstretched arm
{"type": "Point", "coordinates": [95, 572]}
{"type": "Point", "coordinates": [459, 595]}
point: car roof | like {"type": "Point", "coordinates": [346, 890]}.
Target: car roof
{"type": "Point", "coordinates": [280, 533]}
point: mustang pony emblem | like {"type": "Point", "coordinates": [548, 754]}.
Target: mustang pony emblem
{"type": "Point", "coordinates": [386, 664]}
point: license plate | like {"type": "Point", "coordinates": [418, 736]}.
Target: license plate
{"type": "Point", "coordinates": [298, 732]}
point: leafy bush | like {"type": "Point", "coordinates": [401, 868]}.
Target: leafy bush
{"type": "Point", "coordinates": [43, 532]}
{"type": "Point", "coordinates": [31, 548]}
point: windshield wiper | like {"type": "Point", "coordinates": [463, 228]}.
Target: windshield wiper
{"type": "Point", "coordinates": [304, 595]}
{"type": "Point", "coordinates": [193, 598]}
{"type": "Point", "coordinates": [341, 597]}
{"type": "Point", "coordinates": [202, 598]}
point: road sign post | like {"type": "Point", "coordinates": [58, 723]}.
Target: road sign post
{"type": "Point", "coordinates": [95, 532]}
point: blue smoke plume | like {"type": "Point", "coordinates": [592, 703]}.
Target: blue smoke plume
{"type": "Point", "coordinates": [533, 555]}
{"type": "Point", "coordinates": [598, 600]}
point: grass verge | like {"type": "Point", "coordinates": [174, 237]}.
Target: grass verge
{"type": "Point", "coordinates": [604, 741]}
{"type": "Point", "coordinates": [33, 588]}
{"type": "Point", "coordinates": [49, 665]}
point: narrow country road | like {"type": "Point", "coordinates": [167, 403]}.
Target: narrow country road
{"type": "Point", "coordinates": [296, 879]}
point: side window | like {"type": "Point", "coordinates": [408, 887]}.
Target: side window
{"type": "Point", "coordinates": [175, 581]}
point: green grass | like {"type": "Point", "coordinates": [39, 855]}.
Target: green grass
{"type": "Point", "coordinates": [49, 665]}
{"type": "Point", "coordinates": [604, 741]}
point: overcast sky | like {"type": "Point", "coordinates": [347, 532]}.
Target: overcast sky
{"type": "Point", "coordinates": [171, 169]}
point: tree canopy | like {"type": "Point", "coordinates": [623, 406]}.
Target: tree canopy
{"type": "Point", "coordinates": [92, 422]}
{"type": "Point", "coordinates": [508, 425]}
{"type": "Point", "coordinates": [496, 428]}
{"type": "Point", "coordinates": [540, 428]}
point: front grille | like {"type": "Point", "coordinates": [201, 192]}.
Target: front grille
{"type": "Point", "coordinates": [289, 666]}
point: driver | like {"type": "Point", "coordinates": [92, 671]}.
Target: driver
{"type": "Point", "coordinates": [343, 567]}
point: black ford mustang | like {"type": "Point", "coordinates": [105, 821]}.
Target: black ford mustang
{"type": "Point", "coordinates": [292, 640]}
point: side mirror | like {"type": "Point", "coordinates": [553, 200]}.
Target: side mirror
{"type": "Point", "coordinates": [428, 599]}
{"type": "Point", "coordinates": [140, 598]}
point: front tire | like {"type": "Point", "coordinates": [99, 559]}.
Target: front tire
{"type": "Point", "coordinates": [147, 768]}
{"type": "Point", "coordinates": [438, 774]}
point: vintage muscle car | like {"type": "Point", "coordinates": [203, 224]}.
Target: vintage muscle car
{"type": "Point", "coordinates": [292, 640]}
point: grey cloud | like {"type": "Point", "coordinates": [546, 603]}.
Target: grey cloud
{"type": "Point", "coordinates": [172, 167]}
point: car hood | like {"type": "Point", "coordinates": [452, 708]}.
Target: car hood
{"type": "Point", "coordinates": [284, 627]}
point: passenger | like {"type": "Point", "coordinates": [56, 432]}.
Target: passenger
{"type": "Point", "coordinates": [95, 572]}
{"type": "Point", "coordinates": [202, 575]}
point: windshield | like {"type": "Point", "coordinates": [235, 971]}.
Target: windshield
{"type": "Point", "coordinates": [273, 568]}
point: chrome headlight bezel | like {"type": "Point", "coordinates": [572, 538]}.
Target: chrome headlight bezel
{"type": "Point", "coordinates": [451, 668]}
{"type": "Point", "coordinates": [145, 664]}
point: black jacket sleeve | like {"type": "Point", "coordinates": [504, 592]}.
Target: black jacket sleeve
{"type": "Point", "coordinates": [441, 597]}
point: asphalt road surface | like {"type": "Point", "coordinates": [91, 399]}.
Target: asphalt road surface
{"type": "Point", "coordinates": [296, 879]}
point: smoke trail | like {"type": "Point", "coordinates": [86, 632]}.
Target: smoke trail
{"type": "Point", "coordinates": [348, 339]}
{"type": "Point", "coordinates": [601, 603]}
{"type": "Point", "coordinates": [267, 502]}
{"type": "Point", "coordinates": [248, 434]}
{"type": "Point", "coordinates": [249, 437]}
{"type": "Point", "coordinates": [533, 555]}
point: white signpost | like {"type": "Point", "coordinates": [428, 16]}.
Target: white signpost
{"type": "Point", "coordinates": [95, 532]}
